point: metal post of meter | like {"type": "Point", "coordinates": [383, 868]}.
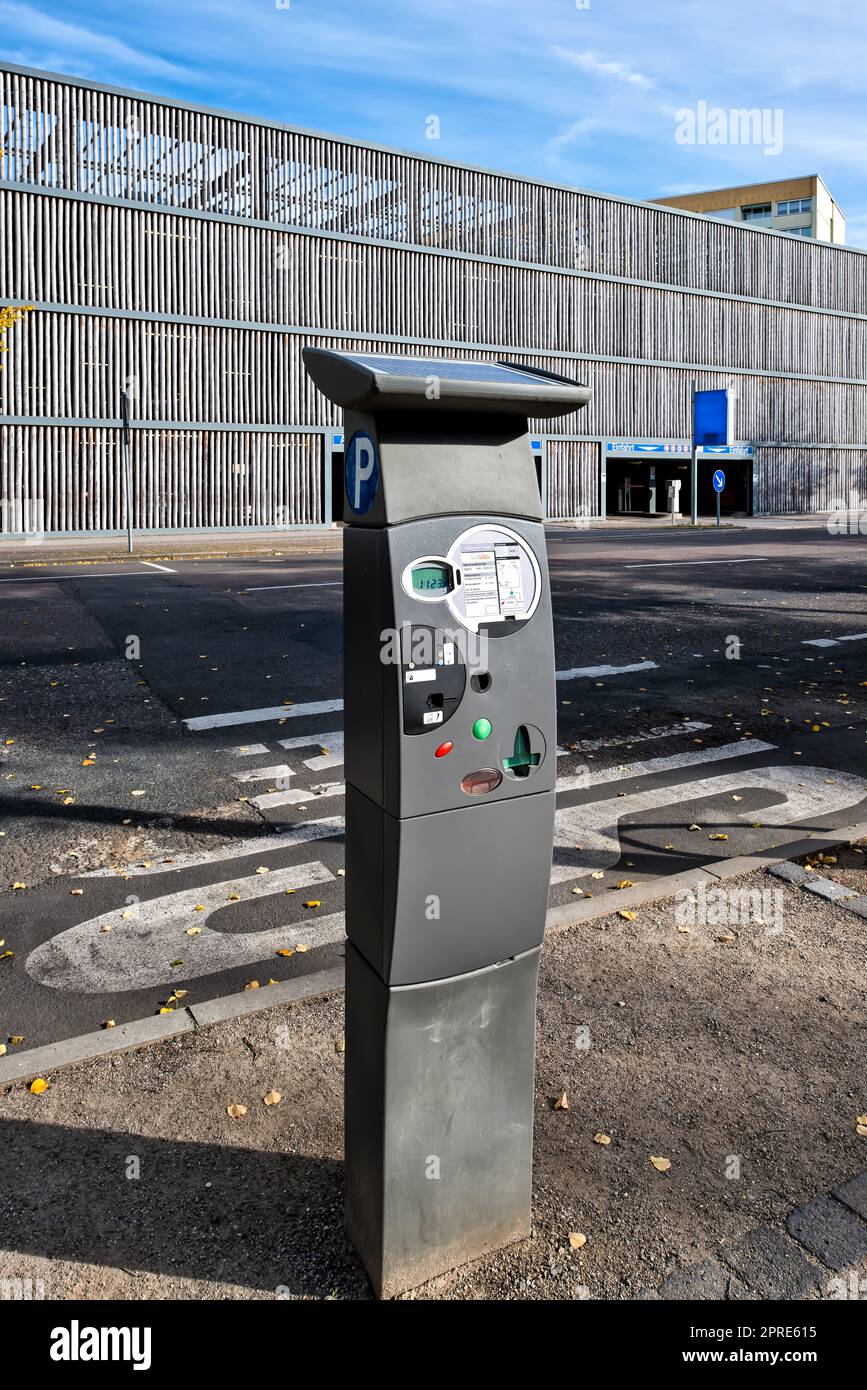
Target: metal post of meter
{"type": "Point", "coordinates": [127, 466]}
{"type": "Point", "coordinates": [450, 761]}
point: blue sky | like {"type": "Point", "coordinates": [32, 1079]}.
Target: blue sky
{"type": "Point", "coordinates": [548, 88]}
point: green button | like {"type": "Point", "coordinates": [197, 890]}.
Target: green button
{"type": "Point", "coordinates": [482, 728]}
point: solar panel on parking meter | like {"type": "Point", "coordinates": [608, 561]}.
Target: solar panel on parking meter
{"type": "Point", "coordinates": [450, 756]}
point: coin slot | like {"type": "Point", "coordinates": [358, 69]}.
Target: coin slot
{"type": "Point", "coordinates": [482, 682]}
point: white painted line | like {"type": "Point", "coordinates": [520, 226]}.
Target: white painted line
{"type": "Point", "coordinates": [588, 671]}
{"type": "Point", "coordinates": [805, 792]}
{"type": "Point", "coordinates": [834, 641]}
{"type": "Point", "coordinates": [135, 953]}
{"type": "Point", "coordinates": [623, 771]}
{"type": "Point", "coordinates": [592, 745]}
{"type": "Point", "coordinates": [330, 743]}
{"type": "Point", "coordinates": [322, 584]}
{"type": "Point", "coordinates": [667, 564]}
{"type": "Point", "coordinates": [261, 716]}
{"type": "Point", "coordinates": [266, 774]}
{"type": "Point", "coordinates": [154, 566]}
{"type": "Point", "coordinates": [296, 797]}
{"type": "Point", "coordinates": [246, 750]}
{"type": "Point", "coordinates": [260, 845]}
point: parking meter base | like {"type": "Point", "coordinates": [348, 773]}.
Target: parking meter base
{"type": "Point", "coordinates": [439, 1117]}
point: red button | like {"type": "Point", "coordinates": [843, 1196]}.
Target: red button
{"type": "Point", "coordinates": [443, 749]}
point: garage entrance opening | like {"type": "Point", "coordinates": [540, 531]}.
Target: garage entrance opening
{"type": "Point", "coordinates": [639, 487]}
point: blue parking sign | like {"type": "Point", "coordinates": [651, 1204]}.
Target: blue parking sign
{"type": "Point", "coordinates": [361, 472]}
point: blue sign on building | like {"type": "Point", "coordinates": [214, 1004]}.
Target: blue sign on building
{"type": "Point", "coordinates": [711, 417]}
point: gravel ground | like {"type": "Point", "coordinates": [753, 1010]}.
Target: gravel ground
{"type": "Point", "coordinates": [674, 1043]}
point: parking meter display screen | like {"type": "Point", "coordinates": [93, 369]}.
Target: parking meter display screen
{"type": "Point", "coordinates": [431, 579]}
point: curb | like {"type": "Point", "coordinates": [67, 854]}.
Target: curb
{"type": "Point", "coordinates": [141, 1032]}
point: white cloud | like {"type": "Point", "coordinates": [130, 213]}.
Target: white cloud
{"type": "Point", "coordinates": [590, 62]}
{"type": "Point", "coordinates": [77, 43]}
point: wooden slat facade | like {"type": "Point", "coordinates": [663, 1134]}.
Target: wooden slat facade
{"type": "Point", "coordinates": [187, 256]}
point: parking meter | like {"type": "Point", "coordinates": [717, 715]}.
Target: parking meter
{"type": "Point", "coordinates": [674, 496]}
{"type": "Point", "coordinates": [450, 758]}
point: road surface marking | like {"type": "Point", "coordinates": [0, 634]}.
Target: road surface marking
{"type": "Point", "coordinates": [321, 829]}
{"type": "Point", "coordinates": [135, 954]}
{"type": "Point", "coordinates": [320, 584]}
{"type": "Point", "coordinates": [592, 745]}
{"type": "Point", "coordinates": [260, 716]}
{"type": "Point", "coordinates": [586, 671]}
{"type": "Point", "coordinates": [246, 750]}
{"type": "Point", "coordinates": [668, 564]}
{"type": "Point", "coordinates": [834, 641]}
{"type": "Point", "coordinates": [297, 797]}
{"type": "Point", "coordinates": [265, 774]}
{"type": "Point", "coordinates": [333, 742]}
{"type": "Point", "coordinates": [806, 792]}
{"type": "Point", "coordinates": [623, 771]}
{"type": "Point", "coordinates": [154, 566]}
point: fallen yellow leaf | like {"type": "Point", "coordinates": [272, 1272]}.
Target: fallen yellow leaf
{"type": "Point", "coordinates": [602, 1139]}
{"type": "Point", "coordinates": [17, 886]}
{"type": "Point", "coordinates": [285, 951]}
{"type": "Point", "coordinates": [109, 1023]}
{"type": "Point", "coordinates": [235, 1111]}
{"type": "Point", "coordinates": [38, 1086]}
{"type": "Point", "coordinates": [194, 931]}
{"type": "Point", "coordinates": [627, 915]}
{"type": "Point", "coordinates": [661, 1165]}
{"type": "Point", "coordinates": [577, 1239]}
{"type": "Point", "coordinates": [272, 1098]}
{"type": "Point", "coordinates": [562, 1102]}
{"type": "Point", "coordinates": [254, 984]}
{"type": "Point", "coordinates": [626, 883]}
{"type": "Point", "coordinates": [314, 902]}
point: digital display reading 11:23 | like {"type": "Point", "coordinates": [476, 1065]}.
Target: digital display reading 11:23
{"type": "Point", "coordinates": [432, 579]}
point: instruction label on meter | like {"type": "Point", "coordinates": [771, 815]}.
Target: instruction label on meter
{"type": "Point", "coordinates": [509, 584]}
{"type": "Point", "coordinates": [492, 581]}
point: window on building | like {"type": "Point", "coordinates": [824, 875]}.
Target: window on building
{"type": "Point", "coordinates": [798, 231]}
{"type": "Point", "coordinates": [754, 212]}
{"type": "Point", "coordinates": [794, 205]}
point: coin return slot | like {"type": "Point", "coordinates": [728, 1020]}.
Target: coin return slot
{"type": "Point", "coordinates": [482, 781]}
{"type": "Point", "coordinates": [482, 682]}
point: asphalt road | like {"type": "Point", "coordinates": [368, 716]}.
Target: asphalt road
{"type": "Point", "coordinates": [170, 737]}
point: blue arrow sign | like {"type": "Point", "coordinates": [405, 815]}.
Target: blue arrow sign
{"type": "Point", "coordinates": [719, 480]}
